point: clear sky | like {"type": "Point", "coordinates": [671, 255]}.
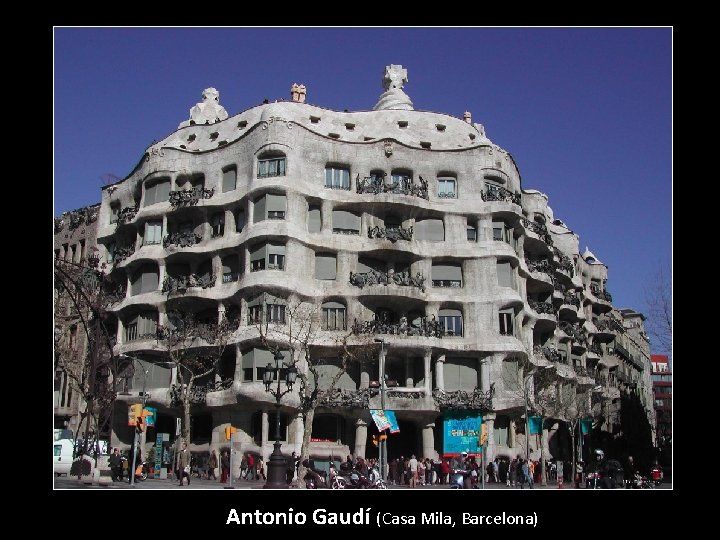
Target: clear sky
{"type": "Point", "coordinates": [585, 112]}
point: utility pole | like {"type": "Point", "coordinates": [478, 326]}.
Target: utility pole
{"type": "Point", "coordinates": [383, 441]}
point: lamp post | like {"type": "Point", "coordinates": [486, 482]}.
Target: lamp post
{"type": "Point", "coordinates": [135, 429]}
{"type": "Point", "coordinates": [276, 463]}
{"type": "Point", "coordinates": [527, 417]}
{"type": "Point", "coordinates": [383, 441]}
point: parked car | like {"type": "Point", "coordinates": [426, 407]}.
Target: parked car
{"type": "Point", "coordinates": [62, 456]}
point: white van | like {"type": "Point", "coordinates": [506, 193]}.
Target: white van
{"type": "Point", "coordinates": [62, 456]}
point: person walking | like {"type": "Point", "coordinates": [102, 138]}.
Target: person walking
{"type": "Point", "coordinates": [116, 465]}
{"type": "Point", "coordinates": [212, 464]}
{"type": "Point", "coordinates": [413, 471]}
{"type": "Point", "coordinates": [224, 466]}
{"type": "Point", "coordinates": [260, 468]}
{"type": "Point", "coordinates": [183, 463]}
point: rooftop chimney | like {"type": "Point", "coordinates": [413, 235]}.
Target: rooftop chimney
{"type": "Point", "coordinates": [297, 91]}
{"type": "Point", "coordinates": [467, 117]}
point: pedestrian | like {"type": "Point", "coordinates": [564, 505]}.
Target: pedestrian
{"type": "Point", "coordinates": [413, 471]}
{"type": "Point", "coordinates": [261, 468]}
{"type": "Point", "coordinates": [290, 469]}
{"type": "Point", "coordinates": [251, 467]}
{"type": "Point", "coordinates": [182, 464]}
{"type": "Point", "coordinates": [212, 463]}
{"type": "Point", "coordinates": [116, 465]}
{"type": "Point", "coordinates": [224, 466]}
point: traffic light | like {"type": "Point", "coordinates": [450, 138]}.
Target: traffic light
{"type": "Point", "coordinates": [374, 440]}
{"type": "Point", "coordinates": [383, 437]}
{"type": "Point", "coordinates": [483, 435]}
{"type": "Point", "coordinates": [229, 431]}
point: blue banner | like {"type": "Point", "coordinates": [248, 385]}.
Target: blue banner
{"type": "Point", "coordinates": [385, 420]}
{"type": "Point", "coordinates": [394, 428]}
{"type": "Point", "coordinates": [150, 418]}
{"type": "Point", "coordinates": [461, 432]}
{"type": "Point", "coordinates": [535, 424]}
{"type": "Point", "coordinates": [586, 426]}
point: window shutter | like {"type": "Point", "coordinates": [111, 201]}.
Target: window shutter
{"type": "Point", "coordinates": [505, 275]}
{"type": "Point", "coordinates": [149, 279]}
{"type": "Point", "coordinates": [229, 180]}
{"type": "Point", "coordinates": [325, 266]}
{"type": "Point", "coordinates": [314, 220]}
{"type": "Point", "coordinates": [431, 230]}
{"type": "Point", "coordinates": [451, 272]}
{"type": "Point", "coordinates": [240, 220]}
{"type": "Point", "coordinates": [343, 219]}
{"type": "Point", "coordinates": [259, 212]}
{"type": "Point", "coordinates": [276, 249]}
{"type": "Point", "coordinates": [275, 203]}
{"type": "Point", "coordinates": [150, 195]}
{"type": "Point", "coordinates": [162, 191]}
{"type": "Point", "coordinates": [259, 253]}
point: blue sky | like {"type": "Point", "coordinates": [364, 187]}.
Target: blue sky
{"type": "Point", "coordinates": [585, 112]}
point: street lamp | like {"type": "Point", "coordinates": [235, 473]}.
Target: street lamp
{"type": "Point", "coordinates": [144, 401]}
{"type": "Point", "coordinates": [276, 463]}
{"type": "Point", "coordinates": [383, 441]}
{"type": "Point", "coordinates": [527, 417]}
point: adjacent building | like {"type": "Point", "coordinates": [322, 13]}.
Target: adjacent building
{"type": "Point", "coordinates": [396, 224]}
{"type": "Point", "coordinates": [662, 394]}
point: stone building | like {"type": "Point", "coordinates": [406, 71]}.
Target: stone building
{"type": "Point", "coordinates": [410, 226]}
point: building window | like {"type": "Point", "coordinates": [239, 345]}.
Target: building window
{"type": "Point", "coordinates": [141, 326]}
{"type": "Point", "coordinates": [325, 266]}
{"type": "Point", "coordinates": [153, 233]}
{"type": "Point", "coordinates": [333, 316]}
{"type": "Point", "coordinates": [229, 180]}
{"type": "Point", "coordinates": [157, 192]}
{"type": "Point", "coordinates": [506, 317]}
{"type": "Point", "coordinates": [460, 374]}
{"type": "Point", "coordinates": [500, 232]}
{"type": "Point", "coordinates": [239, 220]}
{"type": "Point", "coordinates": [145, 279]}
{"type": "Point", "coordinates": [271, 167]}
{"type": "Point", "coordinates": [401, 178]}
{"type": "Point", "coordinates": [110, 252]}
{"type": "Point", "coordinates": [255, 314]}
{"type": "Point", "coordinates": [269, 206]}
{"type": "Point", "coordinates": [114, 213]}
{"type": "Point", "coordinates": [472, 233]}
{"type": "Point", "coordinates": [276, 261]}
{"type": "Point", "coordinates": [451, 320]}
{"type": "Point", "coordinates": [267, 256]}
{"type": "Point", "coordinates": [314, 219]}
{"type": "Point", "coordinates": [231, 266]}
{"type": "Point", "coordinates": [446, 188]}
{"type": "Point", "coordinates": [344, 222]}
{"type": "Point", "coordinates": [446, 275]}
{"type": "Point", "coordinates": [430, 230]}
{"type": "Point", "coordinates": [218, 225]}
{"type": "Point", "coordinates": [337, 178]}
{"type": "Point", "coordinates": [504, 274]}
{"type": "Point", "coordinates": [276, 313]}
{"type": "Point", "coordinates": [254, 362]}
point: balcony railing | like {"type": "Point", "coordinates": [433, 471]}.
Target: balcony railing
{"type": "Point", "coordinates": [198, 394]}
{"type": "Point", "coordinates": [123, 252]}
{"type": "Point", "coordinates": [230, 277]}
{"type": "Point", "coordinates": [126, 215]}
{"type": "Point", "coordinates": [599, 293]}
{"type": "Point", "coordinates": [547, 352]}
{"type": "Point", "coordinates": [463, 399]}
{"type": "Point", "coordinates": [543, 266]}
{"type": "Point", "coordinates": [391, 233]}
{"type": "Point", "coordinates": [181, 239]}
{"type": "Point", "coordinates": [341, 397]}
{"type": "Point", "coordinates": [539, 229]}
{"type": "Point", "coordinates": [374, 277]}
{"type": "Point", "coordinates": [114, 294]}
{"type": "Point", "coordinates": [427, 328]}
{"type": "Point", "coordinates": [541, 307]}
{"type": "Point", "coordinates": [564, 263]}
{"type": "Point", "coordinates": [497, 193]}
{"type": "Point", "coordinates": [406, 186]}
{"type": "Point", "coordinates": [190, 197]}
{"type": "Point", "coordinates": [609, 323]}
{"type": "Point", "coordinates": [576, 333]}
{"type": "Point", "coordinates": [595, 348]}
{"type": "Point", "coordinates": [581, 371]}
{"type": "Point", "coordinates": [451, 283]}
{"type": "Point", "coordinates": [182, 283]}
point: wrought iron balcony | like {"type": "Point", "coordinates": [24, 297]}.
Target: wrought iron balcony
{"type": "Point", "coordinates": [543, 266]}
{"type": "Point", "coordinates": [123, 252]}
{"type": "Point", "coordinates": [609, 323]}
{"type": "Point", "coordinates": [411, 394]}
{"type": "Point", "coordinates": [427, 328]}
{"type": "Point", "coordinates": [595, 348]}
{"type": "Point", "coordinates": [462, 399]}
{"type": "Point", "coordinates": [581, 371]}
{"type": "Point", "coordinates": [576, 333]}
{"type": "Point", "coordinates": [189, 197]}
{"type": "Point", "coordinates": [539, 229]}
{"type": "Point", "coordinates": [391, 233]}
{"type": "Point", "coordinates": [114, 293]}
{"type": "Point", "coordinates": [497, 193]}
{"type": "Point", "coordinates": [547, 352]}
{"type": "Point", "coordinates": [198, 395]}
{"type": "Point", "coordinates": [406, 186]}
{"type": "Point", "coordinates": [341, 397]}
{"type": "Point", "coordinates": [599, 293]}
{"type": "Point", "coordinates": [181, 239]}
{"type": "Point", "coordinates": [447, 195]}
{"type": "Point", "coordinates": [182, 283]}
{"type": "Point", "coordinates": [564, 263]}
{"type": "Point", "coordinates": [541, 307]}
{"type": "Point", "coordinates": [449, 283]}
{"type": "Point", "coordinates": [230, 277]}
{"type": "Point", "coordinates": [126, 215]}
{"type": "Point", "coordinates": [374, 277]}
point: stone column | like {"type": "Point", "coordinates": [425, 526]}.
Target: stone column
{"type": "Point", "coordinates": [428, 375]}
{"type": "Point", "coordinates": [511, 434]}
{"type": "Point", "coordinates": [484, 368]}
{"type": "Point", "coordinates": [439, 365]}
{"type": "Point", "coordinates": [360, 437]}
{"type": "Point", "coordinates": [265, 428]}
{"type": "Point", "coordinates": [428, 441]}
{"type": "Point", "coordinates": [299, 433]}
{"type": "Point", "coordinates": [489, 419]}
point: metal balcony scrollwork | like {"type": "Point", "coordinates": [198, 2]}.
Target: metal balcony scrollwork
{"type": "Point", "coordinates": [564, 263]}
{"type": "Point", "coordinates": [541, 307]}
{"type": "Point", "coordinates": [114, 293]}
{"type": "Point", "coordinates": [539, 229]}
{"type": "Point", "coordinates": [123, 252]}
{"type": "Point", "coordinates": [198, 395]}
{"type": "Point", "coordinates": [391, 233]}
{"type": "Point", "coordinates": [182, 283]}
{"type": "Point", "coordinates": [181, 239]}
{"type": "Point", "coordinates": [341, 397]}
{"type": "Point", "coordinates": [609, 323]}
{"type": "Point", "coordinates": [190, 197]}
{"type": "Point", "coordinates": [405, 186]}
{"type": "Point", "coordinates": [375, 277]}
{"type": "Point", "coordinates": [75, 218]}
{"type": "Point", "coordinates": [497, 193]}
{"type": "Point", "coordinates": [127, 214]}
{"type": "Point", "coordinates": [462, 399]}
{"type": "Point", "coordinates": [576, 333]}
{"type": "Point", "coordinates": [543, 266]}
{"type": "Point", "coordinates": [405, 395]}
{"type": "Point", "coordinates": [427, 328]}
{"type": "Point", "coordinates": [547, 352]}
{"type": "Point", "coordinates": [595, 348]}
{"type": "Point", "coordinates": [599, 293]}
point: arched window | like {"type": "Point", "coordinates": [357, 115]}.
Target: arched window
{"type": "Point", "coordinates": [271, 164]}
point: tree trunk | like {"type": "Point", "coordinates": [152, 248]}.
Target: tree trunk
{"type": "Point", "coordinates": [543, 472]}
{"type": "Point", "coordinates": [574, 457]}
{"type": "Point", "coordinates": [305, 449]}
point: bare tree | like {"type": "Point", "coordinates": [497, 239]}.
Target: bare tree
{"type": "Point", "coordinates": [93, 370]}
{"type": "Point", "coordinates": [194, 349]}
{"type": "Point", "coordinates": [298, 331]}
{"type": "Point", "coordinates": [658, 297]}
